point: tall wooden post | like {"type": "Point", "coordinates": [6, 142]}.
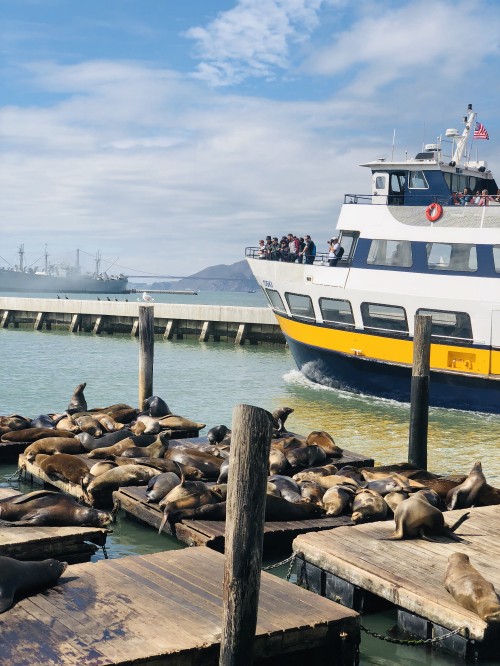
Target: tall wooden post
{"type": "Point", "coordinates": [146, 352]}
{"type": "Point", "coordinates": [419, 414]}
{"type": "Point", "coordinates": [246, 503]}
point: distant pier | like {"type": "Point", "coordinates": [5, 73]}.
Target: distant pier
{"type": "Point", "coordinates": [173, 321]}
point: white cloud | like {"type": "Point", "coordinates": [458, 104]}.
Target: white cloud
{"type": "Point", "coordinates": [253, 39]}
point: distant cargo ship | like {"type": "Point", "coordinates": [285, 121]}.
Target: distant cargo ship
{"type": "Point", "coordinates": [60, 279]}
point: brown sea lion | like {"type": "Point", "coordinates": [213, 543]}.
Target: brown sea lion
{"type": "Point", "coordinates": [470, 589]}
{"type": "Point", "coordinates": [467, 493]}
{"type": "Point", "coordinates": [67, 423]}
{"type": "Point", "coordinates": [111, 451]}
{"type": "Point", "coordinates": [102, 466]}
{"type": "Point", "coordinates": [305, 456]}
{"type": "Point", "coordinates": [277, 461]}
{"type": "Point", "coordinates": [146, 425]}
{"type": "Point", "coordinates": [416, 517]}
{"type": "Point", "coordinates": [368, 506]}
{"type": "Point", "coordinates": [108, 422]}
{"type": "Point", "coordinates": [394, 499]}
{"type": "Point", "coordinates": [34, 434]}
{"type": "Point", "coordinates": [313, 473]}
{"type": "Point", "coordinates": [155, 450]}
{"type": "Point", "coordinates": [208, 464]}
{"type": "Point", "coordinates": [338, 500]}
{"type": "Point", "coordinates": [13, 422]}
{"type": "Point", "coordinates": [186, 495]}
{"type": "Point", "coordinates": [336, 480]}
{"type": "Point", "coordinates": [280, 415]}
{"type": "Point", "coordinates": [311, 491]}
{"type": "Point", "coordinates": [159, 486]}
{"type": "Point", "coordinates": [121, 476]}
{"type": "Point", "coordinates": [122, 413]}
{"type": "Point", "coordinates": [88, 423]}
{"type": "Point", "coordinates": [46, 508]}
{"type": "Point", "coordinates": [289, 489]}
{"type": "Point", "coordinates": [66, 467]}
{"type": "Point", "coordinates": [52, 445]}
{"type": "Point", "coordinates": [19, 578]}
{"type": "Point", "coordinates": [77, 402]}
{"type": "Point", "coordinates": [174, 422]}
{"type": "Point", "coordinates": [326, 441]}
{"type": "Point", "coordinates": [163, 465]}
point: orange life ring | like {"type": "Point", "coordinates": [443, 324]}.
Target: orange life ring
{"type": "Point", "coordinates": [433, 212]}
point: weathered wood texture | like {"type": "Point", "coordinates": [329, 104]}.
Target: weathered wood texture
{"type": "Point", "coordinates": [278, 536]}
{"type": "Point", "coordinates": [166, 608]}
{"type": "Point", "coordinates": [419, 412]}
{"type": "Point", "coordinates": [246, 503]}
{"type": "Point", "coordinates": [410, 573]}
{"type": "Point", "coordinates": [146, 352]}
{"type": "Point", "coordinates": [71, 544]}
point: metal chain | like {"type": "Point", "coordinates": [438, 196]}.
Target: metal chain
{"type": "Point", "coordinates": [419, 641]}
{"type": "Point", "coordinates": [105, 552]}
{"type": "Point", "coordinates": [290, 559]}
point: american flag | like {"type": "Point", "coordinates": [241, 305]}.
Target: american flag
{"type": "Point", "coordinates": [480, 132]}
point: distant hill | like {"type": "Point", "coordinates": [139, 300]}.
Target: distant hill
{"type": "Point", "coordinates": [223, 277]}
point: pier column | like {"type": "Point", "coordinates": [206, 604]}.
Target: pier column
{"type": "Point", "coordinates": [5, 319]}
{"type": "Point", "coordinates": [76, 323]}
{"type": "Point", "coordinates": [205, 331]}
{"type": "Point", "coordinates": [146, 352]}
{"type": "Point", "coordinates": [246, 504]}
{"type": "Point", "coordinates": [170, 329]}
{"type": "Point", "coordinates": [40, 320]}
{"type": "Point", "coordinates": [99, 325]}
{"type": "Point", "coordinates": [419, 414]}
{"type": "Point", "coordinates": [241, 335]}
{"type": "Point", "coordinates": [135, 329]}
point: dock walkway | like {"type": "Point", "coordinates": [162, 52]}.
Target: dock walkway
{"type": "Point", "coordinates": [68, 544]}
{"type": "Point", "coordinates": [350, 563]}
{"type": "Point", "coordinates": [166, 608]}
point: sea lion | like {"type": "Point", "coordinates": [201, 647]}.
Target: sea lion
{"type": "Point", "coordinates": [88, 423]}
{"type": "Point", "coordinates": [326, 442]}
{"type": "Point", "coordinates": [174, 422]}
{"type": "Point", "coordinates": [116, 449]}
{"type": "Point", "coordinates": [416, 517]}
{"type": "Point", "coordinates": [122, 413]}
{"type": "Point", "coordinates": [224, 472]}
{"type": "Point", "coordinates": [337, 500]}
{"type": "Point", "coordinates": [102, 466]}
{"type": "Point", "coordinates": [66, 467]}
{"type": "Point", "coordinates": [13, 422]}
{"type": "Point", "coordinates": [159, 486]}
{"type": "Point", "coordinates": [470, 589]}
{"type": "Point", "coordinates": [306, 456]}
{"type": "Point", "coordinates": [21, 577]}
{"type": "Point", "coordinates": [126, 475]}
{"type": "Point", "coordinates": [467, 493]}
{"type": "Point", "coordinates": [280, 415]}
{"type": "Point", "coordinates": [277, 461]}
{"type": "Point", "coordinates": [67, 423]}
{"type": "Point", "coordinates": [216, 434]}
{"type": "Point", "coordinates": [208, 464]}
{"type": "Point", "coordinates": [186, 495]}
{"type": "Point", "coordinates": [146, 425]}
{"type": "Point", "coordinates": [331, 480]}
{"type": "Point", "coordinates": [77, 402]}
{"type": "Point", "coordinates": [46, 508]}
{"type": "Point", "coordinates": [34, 434]}
{"type": "Point", "coordinates": [311, 491]}
{"type": "Point", "coordinates": [52, 445]}
{"type": "Point", "coordinates": [109, 439]}
{"type": "Point", "coordinates": [108, 422]}
{"type": "Point", "coordinates": [387, 485]}
{"type": "Point", "coordinates": [43, 421]}
{"type": "Point", "coordinates": [163, 465]}
{"type": "Point", "coordinates": [313, 473]}
{"type": "Point", "coordinates": [394, 499]}
{"type": "Point", "coordinates": [155, 450]}
{"type": "Point", "coordinates": [368, 506]}
{"type": "Point", "coordinates": [156, 407]}
{"type": "Point", "coordinates": [289, 489]}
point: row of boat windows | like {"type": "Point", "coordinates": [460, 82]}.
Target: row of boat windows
{"type": "Point", "coordinates": [338, 313]}
{"type": "Point", "coordinates": [418, 181]}
{"type": "Point", "coordinates": [440, 256]}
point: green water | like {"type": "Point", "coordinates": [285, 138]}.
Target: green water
{"type": "Point", "coordinates": [204, 381]}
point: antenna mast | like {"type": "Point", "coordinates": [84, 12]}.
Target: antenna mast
{"type": "Point", "coordinates": [21, 257]}
{"type": "Point", "coordinates": [462, 142]}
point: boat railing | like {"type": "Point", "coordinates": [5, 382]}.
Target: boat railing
{"type": "Point", "coordinates": [417, 199]}
{"type": "Point", "coordinates": [321, 258]}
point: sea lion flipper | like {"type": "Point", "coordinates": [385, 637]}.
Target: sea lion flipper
{"type": "Point", "coordinates": [36, 494]}
{"type": "Point", "coordinates": [457, 523]}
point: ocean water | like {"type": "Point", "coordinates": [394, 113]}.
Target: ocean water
{"type": "Point", "coordinates": [204, 381]}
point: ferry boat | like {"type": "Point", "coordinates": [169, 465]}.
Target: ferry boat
{"type": "Point", "coordinates": [415, 245]}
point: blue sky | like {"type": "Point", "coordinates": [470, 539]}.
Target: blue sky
{"type": "Point", "coordinates": [170, 135]}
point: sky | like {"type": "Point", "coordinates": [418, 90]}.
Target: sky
{"type": "Point", "coordinates": [170, 135]}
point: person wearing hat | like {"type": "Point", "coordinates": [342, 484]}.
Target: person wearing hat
{"type": "Point", "coordinates": [333, 246]}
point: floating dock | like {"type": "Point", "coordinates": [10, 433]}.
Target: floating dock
{"type": "Point", "coordinates": [352, 565]}
{"type": "Point", "coordinates": [278, 536]}
{"type": "Point", "coordinates": [166, 608]}
{"type": "Point", "coordinates": [173, 321]}
{"type": "Point", "coordinates": [68, 544]}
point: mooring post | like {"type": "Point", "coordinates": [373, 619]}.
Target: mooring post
{"type": "Point", "coordinates": [419, 410]}
{"type": "Point", "coordinates": [146, 352]}
{"type": "Point", "coordinates": [246, 503]}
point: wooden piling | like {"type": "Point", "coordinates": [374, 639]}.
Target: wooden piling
{"type": "Point", "coordinates": [419, 412]}
{"type": "Point", "coordinates": [146, 352]}
{"type": "Point", "coordinates": [246, 500]}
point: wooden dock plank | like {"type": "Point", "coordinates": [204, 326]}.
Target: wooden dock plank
{"type": "Point", "coordinates": [149, 610]}
{"type": "Point", "coordinates": [211, 533]}
{"type": "Point", "coordinates": [410, 573]}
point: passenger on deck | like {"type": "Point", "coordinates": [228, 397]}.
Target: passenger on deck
{"type": "Point", "coordinates": [284, 250]}
{"type": "Point", "coordinates": [333, 247]}
{"type": "Point", "coordinates": [261, 253]}
{"type": "Point", "coordinates": [309, 252]}
{"type": "Point", "coordinates": [485, 198]}
{"type": "Point", "coordinates": [293, 247]}
{"type": "Point", "coordinates": [466, 197]}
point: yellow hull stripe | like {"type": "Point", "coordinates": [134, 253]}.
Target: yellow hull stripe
{"type": "Point", "coordinates": [392, 350]}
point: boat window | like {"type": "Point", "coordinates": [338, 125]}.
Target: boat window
{"type": "Point", "coordinates": [380, 182]}
{"type": "Point", "coordinates": [336, 311]}
{"type": "Point", "coordinates": [300, 305]}
{"type": "Point", "coordinates": [418, 180]}
{"type": "Point", "coordinates": [390, 253]}
{"type": "Point", "coordinates": [449, 324]}
{"type": "Point", "coordinates": [348, 242]}
{"type": "Point", "coordinates": [451, 257]}
{"type": "Point", "coordinates": [384, 317]}
{"type": "Point", "coordinates": [496, 257]}
{"type": "Point", "coordinates": [275, 299]}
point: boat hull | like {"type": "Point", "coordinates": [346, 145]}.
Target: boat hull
{"type": "Point", "coordinates": [31, 282]}
{"type": "Point", "coordinates": [393, 381]}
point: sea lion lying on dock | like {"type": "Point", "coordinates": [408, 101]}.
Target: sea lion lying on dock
{"type": "Point", "coordinates": [64, 466]}
{"type": "Point", "coordinates": [13, 422]}
{"type": "Point", "coordinates": [121, 446]}
{"type": "Point", "coordinates": [159, 486]}
{"type": "Point", "coordinates": [47, 508]}
{"type": "Point", "coordinates": [34, 434]}
{"type": "Point", "coordinates": [207, 463]}
{"type": "Point", "coordinates": [337, 500]}
{"type": "Point", "coordinates": [52, 445]}
{"type": "Point", "coordinates": [18, 578]}
{"type": "Point", "coordinates": [157, 449]}
{"type": "Point", "coordinates": [326, 442]}
{"type": "Point", "coordinates": [126, 475]}
{"type": "Point", "coordinates": [156, 407]}
{"type": "Point", "coordinates": [368, 506]}
{"type": "Point", "coordinates": [470, 589]}
{"type": "Point", "coordinates": [217, 434]}
{"type": "Point", "coordinates": [187, 495]}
